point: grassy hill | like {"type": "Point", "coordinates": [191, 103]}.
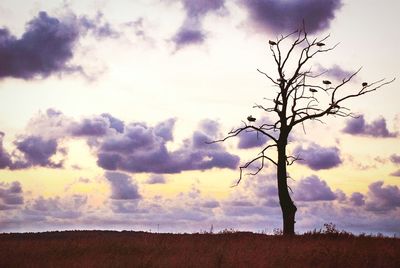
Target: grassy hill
{"type": "Point", "coordinates": [139, 249]}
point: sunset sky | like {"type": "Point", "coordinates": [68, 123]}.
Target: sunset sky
{"type": "Point", "coordinates": [105, 108]}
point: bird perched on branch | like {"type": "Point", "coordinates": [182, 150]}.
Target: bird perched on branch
{"type": "Point", "coordinates": [272, 43]}
{"type": "Point", "coordinates": [313, 90]}
{"type": "Point", "coordinates": [364, 84]}
{"type": "Point", "coordinates": [326, 82]}
{"type": "Point", "coordinates": [320, 44]}
{"type": "Point", "coordinates": [251, 118]}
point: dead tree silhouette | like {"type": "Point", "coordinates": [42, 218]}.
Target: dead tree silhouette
{"type": "Point", "coordinates": [301, 95]}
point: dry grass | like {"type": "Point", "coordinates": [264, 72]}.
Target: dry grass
{"type": "Point", "coordinates": [138, 249]}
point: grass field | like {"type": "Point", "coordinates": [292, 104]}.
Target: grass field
{"type": "Point", "coordinates": [139, 249]}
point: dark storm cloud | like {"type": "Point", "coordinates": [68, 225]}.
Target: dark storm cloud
{"type": "Point", "coordinates": [10, 195]}
{"type": "Point", "coordinates": [377, 128]}
{"type": "Point", "coordinates": [251, 139]}
{"type": "Point", "coordinates": [313, 189]}
{"type": "Point", "coordinates": [37, 151]}
{"type": "Point", "coordinates": [143, 149]}
{"type": "Point", "coordinates": [383, 198]}
{"type": "Point", "coordinates": [283, 16]}
{"type": "Point", "coordinates": [47, 45]}
{"type": "Point", "coordinates": [317, 157]}
{"type": "Point", "coordinates": [122, 186]}
{"type": "Point", "coordinates": [191, 31]}
{"type": "Point", "coordinates": [357, 199]}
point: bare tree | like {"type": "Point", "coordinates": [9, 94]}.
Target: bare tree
{"type": "Point", "coordinates": [301, 95]}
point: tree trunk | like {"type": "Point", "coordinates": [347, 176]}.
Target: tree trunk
{"type": "Point", "coordinates": [287, 206]}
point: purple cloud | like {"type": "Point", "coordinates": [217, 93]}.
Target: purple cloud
{"type": "Point", "coordinates": [357, 199]}
{"type": "Point", "coordinates": [47, 45]}
{"type": "Point", "coordinates": [10, 195]}
{"type": "Point", "coordinates": [335, 72]}
{"type": "Point", "coordinates": [313, 189]}
{"type": "Point", "coordinates": [97, 27]}
{"type": "Point", "coordinates": [251, 139]}
{"type": "Point", "coordinates": [56, 208]}
{"type": "Point", "coordinates": [317, 157]}
{"type": "Point", "coordinates": [191, 31]}
{"type": "Point", "coordinates": [378, 128]}
{"type": "Point", "coordinates": [396, 173]}
{"type": "Point", "coordinates": [282, 16]}
{"type": "Point", "coordinates": [210, 204]}
{"type": "Point", "coordinates": [45, 48]}
{"type": "Point", "coordinates": [5, 159]}
{"type": "Point", "coordinates": [37, 152]}
{"type": "Point", "coordinates": [395, 158]}
{"type": "Point", "coordinates": [383, 198]}
{"type": "Point", "coordinates": [156, 179]}
{"type": "Point", "coordinates": [122, 186]}
{"type": "Point", "coordinates": [186, 37]}
{"type": "Point", "coordinates": [143, 149]}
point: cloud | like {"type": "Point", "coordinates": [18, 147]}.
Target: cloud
{"type": "Point", "coordinates": [143, 149]}
{"type": "Point", "coordinates": [10, 195]}
{"type": "Point", "coordinates": [378, 128]}
{"type": "Point", "coordinates": [45, 48]}
{"type": "Point", "coordinates": [317, 157]}
{"type": "Point", "coordinates": [395, 158]}
{"type": "Point", "coordinates": [382, 198]}
{"type": "Point", "coordinates": [59, 126]}
{"type": "Point", "coordinates": [191, 31]}
{"type": "Point", "coordinates": [283, 16]}
{"type": "Point", "coordinates": [156, 179]}
{"type": "Point", "coordinates": [56, 208]}
{"type": "Point", "coordinates": [5, 159]}
{"type": "Point", "coordinates": [335, 72]}
{"type": "Point", "coordinates": [357, 199]}
{"type": "Point", "coordinates": [37, 152]}
{"type": "Point", "coordinates": [99, 28]}
{"type": "Point", "coordinates": [396, 173]}
{"type": "Point", "coordinates": [97, 126]}
{"type": "Point", "coordinates": [313, 189]}
{"type": "Point", "coordinates": [251, 139]}
{"type": "Point", "coordinates": [135, 147]}
{"type": "Point", "coordinates": [47, 45]}
{"type": "Point", "coordinates": [122, 186]}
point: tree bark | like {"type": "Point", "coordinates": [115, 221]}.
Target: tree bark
{"type": "Point", "coordinates": [287, 206]}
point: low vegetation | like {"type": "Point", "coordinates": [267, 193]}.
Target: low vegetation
{"type": "Point", "coordinates": [327, 248]}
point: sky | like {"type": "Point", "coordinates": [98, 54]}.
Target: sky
{"type": "Point", "coordinates": [106, 108]}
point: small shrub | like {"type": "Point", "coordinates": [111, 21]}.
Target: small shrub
{"type": "Point", "coordinates": [277, 231]}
